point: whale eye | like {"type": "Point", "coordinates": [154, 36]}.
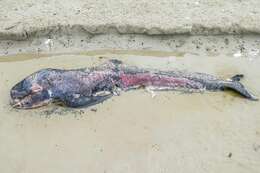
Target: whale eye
{"type": "Point", "coordinates": [27, 103]}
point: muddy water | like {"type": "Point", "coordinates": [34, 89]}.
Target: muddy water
{"type": "Point", "coordinates": [134, 132]}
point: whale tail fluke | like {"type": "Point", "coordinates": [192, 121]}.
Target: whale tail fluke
{"type": "Point", "coordinates": [237, 77]}
{"type": "Point", "coordinates": [235, 84]}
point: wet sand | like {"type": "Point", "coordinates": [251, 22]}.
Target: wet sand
{"type": "Point", "coordinates": [133, 132]}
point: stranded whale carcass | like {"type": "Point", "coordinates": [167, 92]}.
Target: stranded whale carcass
{"type": "Point", "coordinates": [85, 87]}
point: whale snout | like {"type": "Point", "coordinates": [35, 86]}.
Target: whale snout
{"type": "Point", "coordinates": [28, 94]}
{"type": "Point", "coordinates": [32, 100]}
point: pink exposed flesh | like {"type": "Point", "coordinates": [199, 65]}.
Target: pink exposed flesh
{"type": "Point", "coordinates": [147, 79]}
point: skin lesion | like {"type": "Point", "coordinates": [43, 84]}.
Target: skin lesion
{"type": "Point", "coordinates": [36, 88]}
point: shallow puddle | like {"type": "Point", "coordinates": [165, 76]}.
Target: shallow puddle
{"type": "Point", "coordinates": [134, 132]}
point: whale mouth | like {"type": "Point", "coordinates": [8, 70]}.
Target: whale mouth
{"type": "Point", "coordinates": [16, 103]}
{"type": "Point", "coordinates": [23, 103]}
{"type": "Point", "coordinates": [32, 100]}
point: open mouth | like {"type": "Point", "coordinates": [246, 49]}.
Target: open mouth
{"type": "Point", "coordinates": [32, 100]}
{"type": "Point", "coordinates": [16, 103]}
{"type": "Point", "coordinates": [22, 103]}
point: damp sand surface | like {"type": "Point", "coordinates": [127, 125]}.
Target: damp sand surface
{"type": "Point", "coordinates": [133, 132]}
